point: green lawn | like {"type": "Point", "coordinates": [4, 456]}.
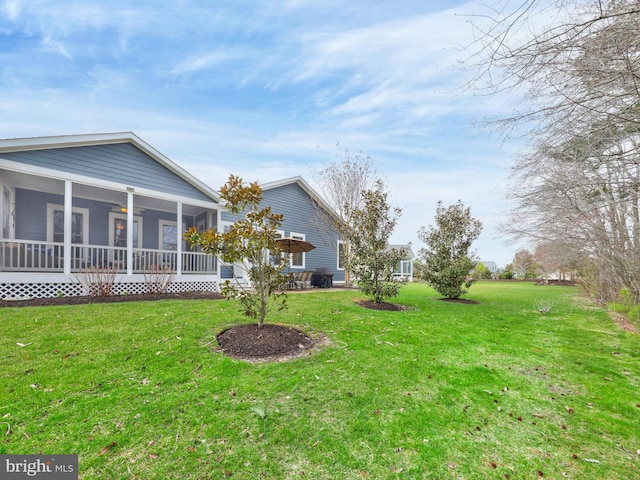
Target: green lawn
{"type": "Point", "coordinates": [439, 391]}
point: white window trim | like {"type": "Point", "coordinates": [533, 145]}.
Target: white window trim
{"type": "Point", "coordinates": [338, 267]}
{"type": "Point", "coordinates": [224, 224]}
{"type": "Point", "coordinates": [280, 234]}
{"type": "Point", "coordinates": [299, 236]}
{"type": "Point", "coordinates": [85, 224]}
{"type": "Point", "coordinates": [162, 223]}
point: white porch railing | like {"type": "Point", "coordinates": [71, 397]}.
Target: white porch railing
{"type": "Point", "coordinates": [30, 256]}
{"type": "Point", "coordinates": [36, 256]}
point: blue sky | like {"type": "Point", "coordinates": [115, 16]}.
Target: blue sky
{"type": "Point", "coordinates": [266, 90]}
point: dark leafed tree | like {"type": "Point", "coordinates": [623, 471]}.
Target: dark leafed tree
{"type": "Point", "coordinates": [369, 257]}
{"type": "Point", "coordinates": [447, 261]}
{"type": "Point", "coordinates": [250, 241]}
{"type": "Point", "coordinates": [342, 183]}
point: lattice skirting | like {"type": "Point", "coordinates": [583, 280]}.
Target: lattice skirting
{"type": "Point", "coordinates": [43, 290]}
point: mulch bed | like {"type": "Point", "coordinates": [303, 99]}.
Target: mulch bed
{"type": "Point", "coordinates": [83, 300]}
{"type": "Point", "coordinates": [390, 307]}
{"type": "Point", "coordinates": [561, 283]}
{"type": "Point", "coordinates": [270, 342]}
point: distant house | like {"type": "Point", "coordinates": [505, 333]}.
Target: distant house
{"type": "Point", "coordinates": [404, 271]}
{"type": "Point", "coordinates": [303, 210]}
{"type": "Point", "coordinates": [106, 200]}
{"type": "Point", "coordinates": [491, 266]}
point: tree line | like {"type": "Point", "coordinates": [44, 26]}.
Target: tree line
{"type": "Point", "coordinates": [576, 188]}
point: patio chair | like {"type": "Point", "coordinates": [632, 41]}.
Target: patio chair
{"type": "Point", "coordinates": [304, 280]}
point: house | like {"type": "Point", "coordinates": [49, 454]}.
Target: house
{"type": "Point", "coordinates": [307, 217]}
{"type": "Point", "coordinates": [491, 266]}
{"type": "Point", "coordinates": [69, 203]}
{"type": "Point", "coordinates": [404, 271]}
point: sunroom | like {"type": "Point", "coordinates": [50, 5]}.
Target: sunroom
{"type": "Point", "coordinates": [98, 202]}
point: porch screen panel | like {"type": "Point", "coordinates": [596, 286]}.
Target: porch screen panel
{"type": "Point", "coordinates": [77, 227]}
{"type": "Point", "coordinates": [6, 212]}
{"type": "Point", "coordinates": [169, 237]}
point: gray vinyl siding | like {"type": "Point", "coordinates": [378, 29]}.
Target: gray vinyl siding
{"type": "Point", "coordinates": [120, 162]}
{"type": "Point", "coordinates": [299, 212]}
{"type": "Point", "coordinates": [31, 215]}
{"type": "Point", "coordinates": [300, 217]}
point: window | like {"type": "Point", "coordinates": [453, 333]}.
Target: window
{"type": "Point", "coordinates": [79, 230]}
{"type": "Point", "coordinates": [226, 226]}
{"type": "Point", "coordinates": [341, 254]}
{"type": "Point", "coordinates": [169, 235]}
{"type": "Point", "coordinates": [79, 224]}
{"type": "Point", "coordinates": [297, 259]}
{"type": "Point", "coordinates": [276, 257]}
{"type": "Point", "coordinates": [118, 230]}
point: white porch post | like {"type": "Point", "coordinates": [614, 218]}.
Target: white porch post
{"type": "Point", "coordinates": [179, 239]}
{"type": "Point", "coordinates": [129, 231]}
{"type": "Point", "coordinates": [219, 229]}
{"type": "Point", "coordinates": [68, 223]}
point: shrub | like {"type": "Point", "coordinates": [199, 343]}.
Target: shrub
{"type": "Point", "coordinates": [448, 262]}
{"type": "Point", "coordinates": [543, 306]}
{"type": "Point", "coordinates": [370, 258]}
{"type": "Point", "coordinates": [634, 313]}
{"type": "Point", "coordinates": [97, 281]}
{"type": "Point", "coordinates": [158, 279]}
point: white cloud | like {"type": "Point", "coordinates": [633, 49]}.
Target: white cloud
{"type": "Point", "coordinates": [12, 9]}
{"type": "Point", "coordinates": [196, 63]}
{"type": "Point", "coordinates": [56, 47]}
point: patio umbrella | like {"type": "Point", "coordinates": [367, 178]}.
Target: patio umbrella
{"type": "Point", "coordinates": [293, 245]}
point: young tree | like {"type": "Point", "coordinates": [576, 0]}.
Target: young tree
{"type": "Point", "coordinates": [524, 265]}
{"type": "Point", "coordinates": [448, 263]}
{"type": "Point", "coordinates": [342, 183]}
{"type": "Point", "coordinates": [480, 272]}
{"type": "Point", "coordinates": [507, 273]}
{"type": "Point", "coordinates": [250, 240]}
{"type": "Point", "coordinates": [369, 257]}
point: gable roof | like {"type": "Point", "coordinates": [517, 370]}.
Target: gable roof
{"type": "Point", "coordinates": [85, 140]}
{"type": "Point", "coordinates": [317, 199]}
